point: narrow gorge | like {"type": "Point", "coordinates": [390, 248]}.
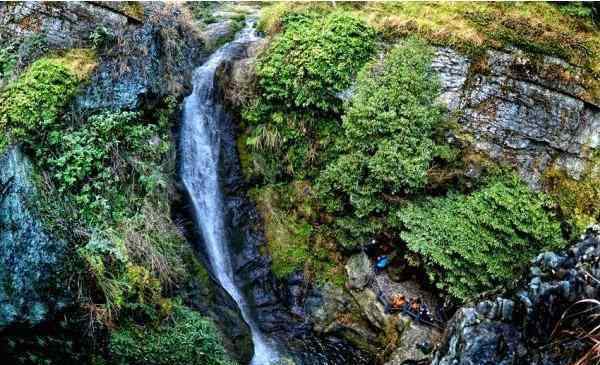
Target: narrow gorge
{"type": "Point", "coordinates": [307, 183]}
{"type": "Point", "coordinates": [200, 150]}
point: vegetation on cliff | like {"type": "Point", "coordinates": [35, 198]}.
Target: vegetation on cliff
{"type": "Point", "coordinates": [387, 143]}
{"type": "Point", "coordinates": [183, 337]}
{"type": "Point", "coordinates": [471, 243]}
{"type": "Point", "coordinates": [382, 166]}
{"type": "Point", "coordinates": [342, 143]}
{"type": "Point", "coordinates": [106, 186]}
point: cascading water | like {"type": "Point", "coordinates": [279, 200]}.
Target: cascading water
{"type": "Point", "coordinates": [199, 169]}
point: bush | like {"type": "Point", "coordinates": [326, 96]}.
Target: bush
{"type": "Point", "coordinates": [472, 243]}
{"type": "Point", "coordinates": [94, 162]}
{"type": "Point", "coordinates": [313, 59]}
{"type": "Point", "coordinates": [101, 37]}
{"type": "Point", "coordinates": [186, 338]}
{"type": "Point", "coordinates": [387, 146]}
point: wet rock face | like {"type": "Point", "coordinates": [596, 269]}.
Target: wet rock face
{"type": "Point", "coordinates": [145, 62]}
{"type": "Point", "coordinates": [29, 258]}
{"type": "Point", "coordinates": [530, 112]}
{"type": "Point", "coordinates": [64, 24]}
{"type": "Point", "coordinates": [517, 329]}
{"type": "Point", "coordinates": [140, 62]}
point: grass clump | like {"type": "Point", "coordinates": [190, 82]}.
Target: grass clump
{"type": "Point", "coordinates": [537, 27]}
{"type": "Point", "coordinates": [182, 338]}
{"type": "Point", "coordinates": [473, 243]}
{"type": "Point", "coordinates": [313, 59]}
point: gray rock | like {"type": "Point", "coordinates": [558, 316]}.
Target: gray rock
{"type": "Point", "coordinates": [64, 24]}
{"type": "Point", "coordinates": [151, 59]}
{"type": "Point", "coordinates": [488, 333]}
{"type": "Point", "coordinates": [29, 258]}
{"type": "Point", "coordinates": [412, 335]}
{"type": "Point", "coordinates": [360, 271]}
{"type": "Point", "coordinates": [452, 68]}
{"type": "Point", "coordinates": [520, 112]}
{"type": "Point", "coordinates": [478, 342]}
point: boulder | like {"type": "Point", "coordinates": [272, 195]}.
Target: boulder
{"type": "Point", "coordinates": [360, 271]}
{"type": "Point", "coordinates": [414, 338]}
{"type": "Point", "coordinates": [30, 259]}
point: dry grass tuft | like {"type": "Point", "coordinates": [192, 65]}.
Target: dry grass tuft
{"type": "Point", "coordinates": [153, 241]}
{"type": "Point", "coordinates": [80, 61]}
{"type": "Point", "coordinates": [581, 321]}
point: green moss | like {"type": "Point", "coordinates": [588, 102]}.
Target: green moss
{"type": "Point", "coordinates": [293, 242]}
{"type": "Point", "coordinates": [577, 200]}
{"type": "Point", "coordinates": [183, 338]}
{"type": "Point", "coordinates": [287, 236]}
{"type": "Point", "coordinates": [34, 102]}
{"type": "Point", "coordinates": [32, 105]}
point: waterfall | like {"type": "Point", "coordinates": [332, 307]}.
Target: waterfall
{"type": "Point", "coordinates": [199, 170]}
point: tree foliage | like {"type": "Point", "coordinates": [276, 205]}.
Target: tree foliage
{"type": "Point", "coordinates": [386, 147]}
{"type": "Point", "coordinates": [472, 243]}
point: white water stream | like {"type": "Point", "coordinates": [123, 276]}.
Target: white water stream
{"type": "Point", "coordinates": [199, 149]}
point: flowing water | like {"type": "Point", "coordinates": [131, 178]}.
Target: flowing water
{"type": "Point", "coordinates": [199, 150]}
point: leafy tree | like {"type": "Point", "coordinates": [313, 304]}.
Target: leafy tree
{"type": "Point", "coordinates": [386, 147]}
{"type": "Point", "coordinates": [472, 243]}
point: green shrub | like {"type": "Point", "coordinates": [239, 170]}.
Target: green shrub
{"type": "Point", "coordinates": [313, 59]}
{"type": "Point", "coordinates": [286, 144]}
{"type": "Point", "coordinates": [386, 147]}
{"type": "Point", "coordinates": [186, 338]}
{"type": "Point", "coordinates": [101, 37]}
{"type": "Point", "coordinates": [472, 243]}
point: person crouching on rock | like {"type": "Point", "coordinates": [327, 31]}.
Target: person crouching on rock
{"type": "Point", "coordinates": [398, 302]}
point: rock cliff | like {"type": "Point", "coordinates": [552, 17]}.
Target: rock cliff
{"type": "Point", "coordinates": [531, 112]}
{"type": "Point", "coordinates": [30, 259]}
{"type": "Point", "coordinates": [525, 326]}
